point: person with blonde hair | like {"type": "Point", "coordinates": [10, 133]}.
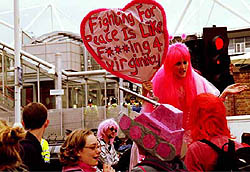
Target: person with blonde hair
{"type": "Point", "coordinates": [10, 159]}
{"type": "Point", "coordinates": [80, 152]}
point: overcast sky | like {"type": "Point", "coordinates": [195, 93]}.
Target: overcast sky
{"type": "Point", "coordinates": [71, 12]}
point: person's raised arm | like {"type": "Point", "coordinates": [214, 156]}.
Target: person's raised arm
{"type": "Point", "coordinates": [233, 89]}
{"type": "Point", "coordinates": [147, 87]}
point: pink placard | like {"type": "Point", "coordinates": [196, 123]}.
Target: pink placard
{"type": "Point", "coordinates": [130, 43]}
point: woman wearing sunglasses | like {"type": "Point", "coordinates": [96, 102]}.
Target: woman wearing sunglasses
{"type": "Point", "coordinates": [107, 131]}
{"type": "Point", "coordinates": [80, 152]}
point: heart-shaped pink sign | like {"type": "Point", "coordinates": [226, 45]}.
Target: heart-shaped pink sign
{"type": "Point", "coordinates": [130, 43]}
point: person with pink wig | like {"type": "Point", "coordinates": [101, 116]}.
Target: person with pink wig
{"type": "Point", "coordinates": [177, 83]}
{"type": "Point", "coordinates": [207, 121]}
{"type": "Point", "coordinates": [106, 133]}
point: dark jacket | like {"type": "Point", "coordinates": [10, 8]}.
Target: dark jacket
{"type": "Point", "coordinates": [31, 153]}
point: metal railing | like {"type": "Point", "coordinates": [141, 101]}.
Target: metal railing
{"type": "Point", "coordinates": [140, 96]}
{"type": "Point", "coordinates": [6, 102]}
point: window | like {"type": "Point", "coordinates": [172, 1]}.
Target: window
{"type": "Point", "coordinates": [240, 47]}
{"type": "Point", "coordinates": [247, 40]}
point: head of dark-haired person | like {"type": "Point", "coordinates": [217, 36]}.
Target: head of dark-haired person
{"type": "Point", "coordinates": [34, 116]}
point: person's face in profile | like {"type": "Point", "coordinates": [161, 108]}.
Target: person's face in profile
{"type": "Point", "coordinates": [180, 69]}
{"type": "Point", "coordinates": [91, 151]}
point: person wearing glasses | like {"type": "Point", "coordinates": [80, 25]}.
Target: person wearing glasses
{"type": "Point", "coordinates": [106, 133]}
{"type": "Point", "coordinates": [80, 152]}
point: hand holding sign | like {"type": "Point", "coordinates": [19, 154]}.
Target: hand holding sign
{"type": "Point", "coordinates": [130, 43]}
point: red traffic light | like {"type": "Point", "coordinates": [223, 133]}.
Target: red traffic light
{"type": "Point", "coordinates": [217, 61]}
{"type": "Point", "coordinates": [218, 42]}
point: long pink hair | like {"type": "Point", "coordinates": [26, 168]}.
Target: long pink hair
{"type": "Point", "coordinates": [179, 92]}
{"type": "Point", "coordinates": [166, 85]}
{"type": "Point", "coordinates": [208, 118]}
{"type": "Point", "coordinates": [171, 96]}
{"type": "Point", "coordinates": [104, 126]}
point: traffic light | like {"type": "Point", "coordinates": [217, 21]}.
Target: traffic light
{"type": "Point", "coordinates": [216, 59]}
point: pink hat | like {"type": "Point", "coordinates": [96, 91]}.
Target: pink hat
{"type": "Point", "coordinates": [159, 133]}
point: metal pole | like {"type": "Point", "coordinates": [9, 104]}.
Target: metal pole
{"type": "Point", "coordinates": [232, 11]}
{"type": "Point", "coordinates": [35, 18]}
{"type": "Point", "coordinates": [17, 48]}
{"type": "Point", "coordinates": [86, 92]}
{"type": "Point", "coordinates": [182, 16]}
{"type": "Point", "coordinates": [76, 90]}
{"type": "Point", "coordinates": [30, 56]}
{"type": "Point", "coordinates": [67, 93]}
{"type": "Point", "coordinates": [3, 70]}
{"type": "Point", "coordinates": [105, 96]}
{"type": "Point", "coordinates": [82, 118]}
{"type": "Point", "coordinates": [34, 87]}
{"type": "Point", "coordinates": [59, 87]}
{"type": "Point", "coordinates": [246, 5]}
{"type": "Point", "coordinates": [38, 84]}
{"type": "Point", "coordinates": [61, 127]}
{"type": "Point", "coordinates": [85, 58]}
{"type": "Point", "coordinates": [51, 17]}
{"type": "Point", "coordinates": [140, 96]}
{"type": "Point", "coordinates": [121, 92]}
{"type": "Point", "coordinates": [59, 80]}
{"type": "Point", "coordinates": [57, 17]}
{"type": "Point", "coordinates": [85, 69]}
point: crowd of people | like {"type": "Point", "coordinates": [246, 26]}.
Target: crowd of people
{"type": "Point", "coordinates": [194, 111]}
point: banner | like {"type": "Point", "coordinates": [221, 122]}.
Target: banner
{"type": "Point", "coordinates": [130, 43]}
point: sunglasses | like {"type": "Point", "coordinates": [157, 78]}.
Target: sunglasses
{"type": "Point", "coordinates": [113, 129]}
